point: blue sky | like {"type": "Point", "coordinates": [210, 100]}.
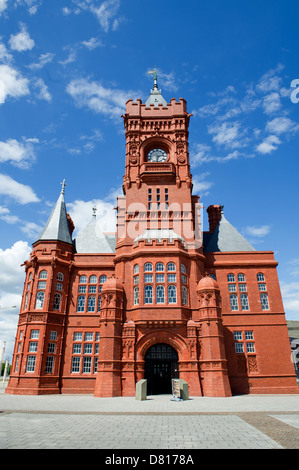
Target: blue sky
{"type": "Point", "coordinates": [67, 67]}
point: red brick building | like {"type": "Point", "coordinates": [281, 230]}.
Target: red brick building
{"type": "Point", "coordinates": [158, 299]}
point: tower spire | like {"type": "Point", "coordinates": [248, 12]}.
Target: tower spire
{"type": "Point", "coordinates": [155, 97]}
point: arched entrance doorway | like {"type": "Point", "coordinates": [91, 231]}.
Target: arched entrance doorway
{"type": "Point", "coordinates": [161, 365]}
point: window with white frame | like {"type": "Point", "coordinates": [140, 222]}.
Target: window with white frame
{"type": "Point", "coordinates": [51, 348]}
{"type": "Point", "coordinates": [249, 335]}
{"type": "Point", "coordinates": [171, 277]}
{"type": "Point", "coordinates": [241, 277]}
{"type": "Point", "coordinates": [43, 275]}
{"type": "Point", "coordinates": [76, 364]}
{"type": "Point", "coordinates": [40, 296]}
{"type": "Point", "coordinates": [160, 294]}
{"type": "Point", "coordinates": [56, 301]}
{"type": "Point", "coordinates": [91, 304]}
{"type": "Point", "coordinates": [184, 295]}
{"type": "Point", "coordinates": [148, 267]}
{"type": "Point", "coordinates": [83, 279]}
{"type": "Point", "coordinates": [81, 303]}
{"type": "Point", "coordinates": [159, 277]}
{"type": "Point", "coordinates": [34, 334]}
{"type": "Point", "coordinates": [136, 269]}
{"type": "Point", "coordinates": [49, 364]}
{"type": "Point", "coordinates": [231, 278]}
{"type": "Point", "coordinates": [262, 287]}
{"type": "Point", "coordinates": [242, 287]}
{"type": "Point", "coordinates": [59, 277]}
{"type": "Point", "coordinates": [148, 294]}
{"type": "Point", "coordinates": [148, 278]}
{"type": "Point", "coordinates": [234, 302]}
{"type": "Point", "coordinates": [30, 363]}
{"type": "Point", "coordinates": [239, 347]}
{"type": "Point", "coordinates": [160, 267]}
{"type": "Point", "coordinates": [78, 336]}
{"type": "Point", "coordinates": [264, 301]}
{"type": "Point", "coordinates": [232, 288]}
{"type": "Point", "coordinates": [136, 295]}
{"type": "Point", "coordinates": [260, 277]}
{"type": "Point", "coordinates": [244, 302]}
{"type": "Point", "coordinates": [238, 335]}
{"type": "Point", "coordinates": [93, 279]}
{"type": "Point", "coordinates": [171, 266]}
{"type": "Point", "coordinates": [250, 347]}
{"type": "Point", "coordinates": [102, 279]}
{"type": "Point", "coordinates": [33, 346]}
{"type": "Point", "coordinates": [172, 294]}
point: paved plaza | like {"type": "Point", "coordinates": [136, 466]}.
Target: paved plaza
{"type": "Point", "coordinates": [86, 422]}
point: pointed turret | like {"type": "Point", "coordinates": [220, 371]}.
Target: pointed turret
{"type": "Point", "coordinates": [155, 97]}
{"type": "Point", "coordinates": [226, 238]}
{"type": "Point", "coordinates": [57, 227]}
{"type": "Point", "coordinates": [91, 239]}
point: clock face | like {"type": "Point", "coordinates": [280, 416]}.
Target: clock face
{"type": "Point", "coordinates": [157, 155]}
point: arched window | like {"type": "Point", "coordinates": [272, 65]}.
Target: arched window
{"type": "Point", "coordinates": [59, 277]}
{"type": "Point", "coordinates": [136, 295]}
{"type": "Point", "coordinates": [83, 280]}
{"type": "Point", "coordinates": [93, 280]}
{"type": "Point", "coordinates": [43, 275]}
{"type": "Point", "coordinates": [260, 277]}
{"type": "Point", "coordinates": [148, 295]}
{"type": "Point", "coordinates": [136, 269]}
{"type": "Point", "coordinates": [91, 304]}
{"type": "Point", "coordinates": [171, 267]}
{"type": "Point", "coordinates": [148, 267]}
{"type": "Point", "coordinates": [160, 267]}
{"type": "Point", "coordinates": [103, 279]}
{"type": "Point", "coordinates": [264, 302]}
{"type": "Point", "coordinates": [39, 300]}
{"type": "Point", "coordinates": [171, 294]}
{"type": "Point", "coordinates": [234, 302]}
{"type": "Point", "coordinates": [56, 302]}
{"type": "Point", "coordinates": [184, 295]}
{"type": "Point", "coordinates": [230, 278]}
{"type": "Point", "coordinates": [183, 268]}
{"type": "Point", "coordinates": [241, 277]}
{"type": "Point", "coordinates": [81, 303]}
{"type": "Point", "coordinates": [244, 302]}
{"type": "Point", "coordinates": [99, 303]}
{"type": "Point", "coordinates": [26, 301]}
{"type": "Point", "coordinates": [160, 295]}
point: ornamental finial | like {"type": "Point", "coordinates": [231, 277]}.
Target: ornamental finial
{"type": "Point", "coordinates": [63, 185]}
{"type": "Point", "coordinates": [154, 73]}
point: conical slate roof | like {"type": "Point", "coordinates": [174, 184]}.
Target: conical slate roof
{"type": "Point", "coordinates": [155, 97]}
{"type": "Point", "coordinates": [91, 240]}
{"type": "Point", "coordinates": [57, 227]}
{"type": "Point", "coordinates": [226, 238]}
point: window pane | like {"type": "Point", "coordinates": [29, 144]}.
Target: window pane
{"type": "Point", "coordinates": [248, 335]}
{"type": "Point", "coordinates": [30, 363]}
{"type": "Point", "coordinates": [91, 306]}
{"type": "Point", "coordinates": [159, 277]}
{"type": "Point", "coordinates": [56, 302]}
{"type": "Point", "coordinates": [83, 280]}
{"type": "Point", "coordinates": [239, 347]}
{"type": "Point", "coordinates": [232, 288]}
{"type": "Point", "coordinates": [238, 335]}
{"type": "Point", "coordinates": [148, 278]}
{"type": "Point", "coordinates": [160, 295]}
{"type": "Point", "coordinates": [81, 303]}
{"type": "Point", "coordinates": [103, 279]}
{"type": "Point", "coordinates": [171, 294]}
{"type": "Point", "coordinates": [183, 268]}
{"type": "Point", "coordinates": [241, 277]}
{"type": "Point", "coordinates": [49, 365]}
{"type": "Point", "coordinates": [76, 364]}
{"type": "Point", "coordinates": [136, 269]}
{"type": "Point", "coordinates": [159, 267]}
{"type": "Point", "coordinates": [39, 300]}
{"type": "Point", "coordinates": [250, 347]}
{"type": "Point", "coordinates": [184, 295]}
{"type": "Point", "coordinates": [231, 278]}
{"type": "Point", "coordinates": [59, 277]}
{"type": "Point", "coordinates": [148, 267]}
{"type": "Point", "coordinates": [43, 275]}
{"type": "Point", "coordinates": [93, 279]}
{"type": "Point", "coordinates": [244, 302]}
{"type": "Point", "coordinates": [148, 295]}
{"type": "Point", "coordinates": [234, 302]}
{"type": "Point", "coordinates": [264, 302]}
{"type": "Point", "coordinates": [260, 277]}
{"type": "Point", "coordinates": [136, 295]}
{"type": "Point", "coordinates": [171, 267]}
{"type": "Point", "coordinates": [262, 287]}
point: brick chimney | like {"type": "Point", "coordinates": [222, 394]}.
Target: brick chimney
{"type": "Point", "coordinates": [214, 213]}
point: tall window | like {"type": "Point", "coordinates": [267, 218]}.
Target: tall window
{"type": "Point", "coordinates": [160, 294]}
{"type": "Point", "coordinates": [184, 295]}
{"type": "Point", "coordinates": [93, 279]}
{"type": "Point", "coordinates": [234, 302]}
{"type": "Point", "coordinates": [148, 295]}
{"type": "Point", "coordinates": [39, 300]}
{"type": "Point", "coordinates": [83, 280]}
{"type": "Point", "coordinates": [81, 303]}
{"type": "Point", "coordinates": [103, 279]}
{"type": "Point", "coordinates": [264, 302]}
{"type": "Point", "coordinates": [43, 275]}
{"type": "Point", "coordinates": [260, 277]}
{"type": "Point", "coordinates": [241, 277]}
{"type": "Point", "coordinates": [136, 295]}
{"type": "Point", "coordinates": [56, 302]}
{"type": "Point", "coordinates": [91, 305]}
{"type": "Point", "coordinates": [230, 278]}
{"type": "Point", "coordinates": [171, 294]}
{"type": "Point", "coordinates": [244, 302]}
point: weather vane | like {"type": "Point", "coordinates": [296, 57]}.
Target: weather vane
{"type": "Point", "coordinates": [63, 185]}
{"type": "Point", "coordinates": [154, 73]}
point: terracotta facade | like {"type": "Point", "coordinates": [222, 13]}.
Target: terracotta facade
{"type": "Point", "coordinates": [159, 304]}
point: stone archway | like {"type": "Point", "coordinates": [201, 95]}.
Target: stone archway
{"type": "Point", "coordinates": [161, 365]}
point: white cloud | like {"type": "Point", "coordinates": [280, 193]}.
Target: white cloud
{"type": "Point", "coordinates": [269, 144]}
{"type": "Point", "coordinates": [200, 185]}
{"type": "Point", "coordinates": [3, 5]}
{"type": "Point", "coordinates": [270, 81]}
{"type": "Point", "coordinates": [81, 214]}
{"type": "Point", "coordinates": [42, 90]}
{"type": "Point", "coordinates": [5, 56]}
{"type": "Point", "coordinates": [42, 61]}
{"type": "Point", "coordinates": [18, 153]}
{"type": "Point", "coordinates": [21, 193]}
{"type": "Point", "coordinates": [227, 133]}
{"type": "Point", "coordinates": [258, 231]}
{"type": "Point", "coordinates": [92, 43]}
{"type": "Point", "coordinates": [12, 276]}
{"type": "Point", "coordinates": [281, 125]}
{"type": "Point", "coordinates": [93, 95]}
{"type": "Point", "coordinates": [12, 83]}
{"type": "Point", "coordinates": [271, 103]}
{"type": "Point", "coordinates": [290, 296]}
{"type": "Point", "coordinates": [105, 13]}
{"type": "Point", "coordinates": [21, 41]}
